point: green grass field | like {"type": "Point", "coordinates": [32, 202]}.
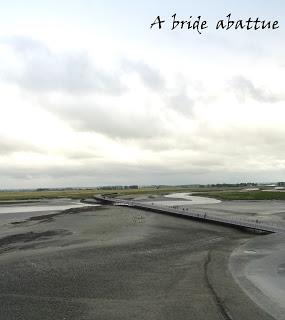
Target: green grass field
{"type": "Point", "coordinates": [83, 194]}
{"type": "Point", "coordinates": [80, 194]}
{"type": "Point", "coordinates": [250, 195]}
{"type": "Point", "coordinates": [218, 193]}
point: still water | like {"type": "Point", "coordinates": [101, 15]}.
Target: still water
{"type": "Point", "coordinates": [21, 211]}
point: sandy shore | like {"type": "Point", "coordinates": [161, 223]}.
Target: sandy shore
{"type": "Point", "coordinates": [120, 263]}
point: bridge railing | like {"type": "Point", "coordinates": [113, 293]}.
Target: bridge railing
{"type": "Point", "coordinates": [205, 216]}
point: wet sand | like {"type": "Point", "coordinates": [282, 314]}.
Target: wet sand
{"type": "Point", "coordinates": [120, 263]}
{"type": "Point", "coordinates": [259, 268]}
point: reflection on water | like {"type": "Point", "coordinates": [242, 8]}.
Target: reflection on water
{"type": "Point", "coordinates": [22, 211]}
{"type": "Point", "coordinates": [38, 207]}
{"type": "Point", "coordinates": [185, 199]}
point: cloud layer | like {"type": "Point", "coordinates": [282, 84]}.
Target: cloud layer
{"type": "Point", "coordinates": [133, 122]}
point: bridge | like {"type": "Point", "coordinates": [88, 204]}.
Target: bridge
{"type": "Point", "coordinates": [253, 224]}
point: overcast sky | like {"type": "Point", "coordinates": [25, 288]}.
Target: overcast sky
{"type": "Point", "coordinates": [90, 95]}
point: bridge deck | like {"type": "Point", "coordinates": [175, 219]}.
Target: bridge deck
{"type": "Point", "coordinates": [191, 213]}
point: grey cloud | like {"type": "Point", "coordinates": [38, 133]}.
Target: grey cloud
{"type": "Point", "coordinates": [45, 71]}
{"type": "Point", "coordinates": [109, 172]}
{"type": "Point", "coordinates": [81, 155]}
{"type": "Point", "coordinates": [114, 174]}
{"type": "Point", "coordinates": [229, 155]}
{"type": "Point", "coordinates": [110, 121]}
{"type": "Point", "coordinates": [149, 76]}
{"type": "Point", "coordinates": [6, 147]}
{"type": "Point", "coordinates": [181, 103]}
{"type": "Point", "coordinates": [9, 146]}
{"type": "Point", "coordinates": [245, 88]}
{"type": "Point", "coordinates": [25, 46]}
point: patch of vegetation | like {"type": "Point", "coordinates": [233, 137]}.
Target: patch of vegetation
{"type": "Point", "coordinates": [88, 193]}
{"type": "Point", "coordinates": [244, 195]}
{"type": "Point", "coordinates": [30, 195]}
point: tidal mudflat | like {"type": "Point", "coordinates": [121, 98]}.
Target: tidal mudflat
{"type": "Point", "coordinates": [120, 263]}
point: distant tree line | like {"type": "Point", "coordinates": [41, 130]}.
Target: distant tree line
{"type": "Point", "coordinates": [118, 187]}
{"type": "Point", "coordinates": [225, 185]}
